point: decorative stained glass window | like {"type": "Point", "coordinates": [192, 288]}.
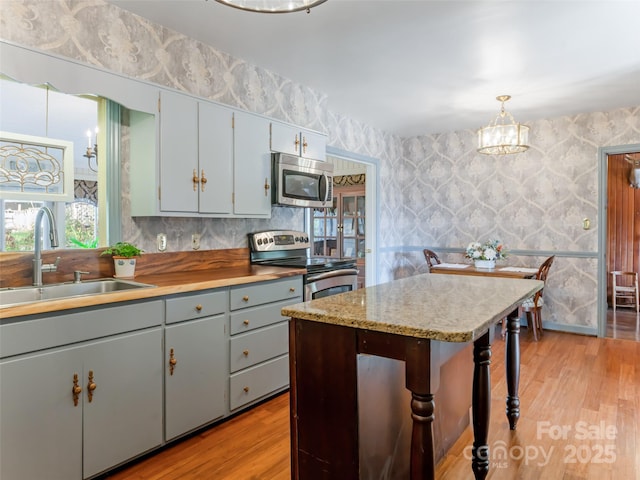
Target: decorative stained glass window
{"type": "Point", "coordinates": [35, 168]}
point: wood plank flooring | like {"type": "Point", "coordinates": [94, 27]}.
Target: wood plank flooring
{"type": "Point", "coordinates": [571, 387]}
{"type": "Point", "coordinates": [625, 324]}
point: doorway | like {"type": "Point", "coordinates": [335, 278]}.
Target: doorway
{"type": "Point", "coordinates": [622, 242]}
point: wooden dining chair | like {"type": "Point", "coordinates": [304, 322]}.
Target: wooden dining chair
{"type": "Point", "coordinates": [625, 287]}
{"type": "Point", "coordinates": [532, 306]}
{"type": "Point", "coordinates": [431, 258]}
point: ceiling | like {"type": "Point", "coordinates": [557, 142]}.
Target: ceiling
{"type": "Point", "coordinates": [420, 67]}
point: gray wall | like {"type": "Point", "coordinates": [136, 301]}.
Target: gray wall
{"type": "Point", "coordinates": [434, 190]}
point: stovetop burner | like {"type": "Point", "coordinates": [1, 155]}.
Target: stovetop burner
{"type": "Point", "coordinates": [290, 248]}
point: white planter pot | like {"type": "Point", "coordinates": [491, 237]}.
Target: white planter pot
{"type": "Point", "coordinates": [125, 267]}
{"type": "Point", "coordinates": [487, 264]}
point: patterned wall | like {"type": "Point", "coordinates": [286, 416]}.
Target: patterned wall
{"type": "Point", "coordinates": [434, 190]}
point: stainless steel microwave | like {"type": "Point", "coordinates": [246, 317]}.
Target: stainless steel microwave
{"type": "Point", "coordinates": [301, 182]}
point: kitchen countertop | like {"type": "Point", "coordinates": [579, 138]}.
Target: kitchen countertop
{"type": "Point", "coordinates": [450, 308]}
{"type": "Point", "coordinates": [165, 284]}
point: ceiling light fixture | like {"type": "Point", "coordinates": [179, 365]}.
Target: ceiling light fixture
{"type": "Point", "coordinates": [501, 138]}
{"type": "Point", "coordinates": [272, 6]}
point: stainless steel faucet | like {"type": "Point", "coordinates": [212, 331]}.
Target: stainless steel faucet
{"type": "Point", "coordinates": [38, 267]}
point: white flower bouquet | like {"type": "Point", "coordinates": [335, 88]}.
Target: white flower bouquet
{"type": "Point", "coordinates": [489, 250]}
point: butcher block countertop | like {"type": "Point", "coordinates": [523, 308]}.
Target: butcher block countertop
{"type": "Point", "coordinates": [164, 284]}
{"type": "Point", "coordinates": [449, 308]}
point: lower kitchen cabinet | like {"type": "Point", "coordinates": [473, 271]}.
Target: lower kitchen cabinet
{"type": "Point", "coordinates": [195, 374]}
{"type": "Point", "coordinates": [73, 412]}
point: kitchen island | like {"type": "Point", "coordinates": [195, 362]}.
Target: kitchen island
{"type": "Point", "coordinates": [404, 320]}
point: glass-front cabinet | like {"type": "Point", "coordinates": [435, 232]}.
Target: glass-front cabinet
{"type": "Point", "coordinates": [339, 231]}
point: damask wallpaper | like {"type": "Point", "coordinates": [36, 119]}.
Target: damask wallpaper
{"type": "Point", "coordinates": [434, 190]}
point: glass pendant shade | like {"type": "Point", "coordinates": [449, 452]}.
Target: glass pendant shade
{"type": "Point", "coordinates": [504, 136]}
{"type": "Point", "coordinates": [272, 6]}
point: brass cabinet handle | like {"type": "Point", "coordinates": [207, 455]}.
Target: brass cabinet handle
{"type": "Point", "coordinates": [296, 143]}
{"type": "Point", "coordinates": [245, 298]}
{"type": "Point", "coordinates": [199, 307]}
{"type": "Point", "coordinates": [304, 145]}
{"type": "Point", "coordinates": [172, 362]}
{"type": "Point", "coordinates": [266, 186]}
{"type": "Point", "coordinates": [91, 386]}
{"type": "Point", "coordinates": [76, 390]}
{"type": "Point", "coordinates": [203, 180]}
{"type": "Point", "coordinates": [292, 289]}
{"type": "Point", "coordinates": [246, 322]}
{"type": "Point", "coordinates": [246, 353]}
{"type": "Point", "coordinates": [246, 389]}
{"type": "Point", "coordinates": [195, 180]}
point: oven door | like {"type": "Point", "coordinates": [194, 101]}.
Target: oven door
{"type": "Point", "coordinates": [330, 283]}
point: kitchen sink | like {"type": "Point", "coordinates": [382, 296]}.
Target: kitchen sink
{"type": "Point", "coordinates": [57, 291]}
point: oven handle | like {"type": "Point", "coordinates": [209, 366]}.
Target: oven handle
{"type": "Point", "coordinates": [333, 273]}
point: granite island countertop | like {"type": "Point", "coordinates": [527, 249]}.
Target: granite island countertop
{"type": "Point", "coordinates": [450, 308]}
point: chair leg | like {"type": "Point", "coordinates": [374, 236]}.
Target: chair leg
{"type": "Point", "coordinates": [503, 331]}
{"type": "Point", "coordinates": [531, 325]}
{"type": "Point", "coordinates": [537, 320]}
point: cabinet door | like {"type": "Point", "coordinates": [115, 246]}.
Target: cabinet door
{"type": "Point", "coordinates": [178, 152]}
{"type": "Point", "coordinates": [285, 138]}
{"type": "Point", "coordinates": [40, 427]}
{"type": "Point", "coordinates": [314, 145]}
{"type": "Point", "coordinates": [123, 418]}
{"type": "Point", "coordinates": [252, 166]}
{"type": "Point", "coordinates": [196, 385]}
{"type": "Point", "coordinates": [215, 158]}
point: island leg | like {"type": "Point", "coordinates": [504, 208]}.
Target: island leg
{"type": "Point", "coordinates": [418, 381]}
{"type": "Point", "coordinates": [512, 364]}
{"type": "Point", "coordinates": [481, 404]}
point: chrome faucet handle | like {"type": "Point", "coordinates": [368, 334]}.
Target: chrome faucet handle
{"type": "Point", "coordinates": [51, 267]}
{"type": "Point", "coordinates": [77, 276]}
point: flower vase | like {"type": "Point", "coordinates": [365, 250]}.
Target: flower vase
{"type": "Point", "coordinates": [486, 264]}
{"type": "Point", "coordinates": [124, 267]}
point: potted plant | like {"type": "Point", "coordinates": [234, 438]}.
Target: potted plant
{"type": "Point", "coordinates": [124, 258]}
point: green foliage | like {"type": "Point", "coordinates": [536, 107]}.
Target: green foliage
{"type": "Point", "coordinates": [92, 243]}
{"type": "Point", "coordinates": [123, 249]}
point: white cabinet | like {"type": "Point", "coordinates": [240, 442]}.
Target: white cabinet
{"type": "Point", "coordinates": [195, 367]}
{"type": "Point", "coordinates": [196, 155]}
{"type": "Point", "coordinates": [48, 429]}
{"type": "Point", "coordinates": [252, 165]}
{"type": "Point", "coordinates": [296, 141]}
{"type": "Point", "coordinates": [259, 339]}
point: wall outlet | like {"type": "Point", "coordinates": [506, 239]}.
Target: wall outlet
{"type": "Point", "coordinates": [161, 242]}
{"type": "Point", "coordinates": [195, 241]}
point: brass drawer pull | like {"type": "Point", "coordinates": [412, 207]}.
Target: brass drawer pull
{"type": "Point", "coordinates": [91, 386]}
{"type": "Point", "coordinates": [246, 322]}
{"type": "Point", "coordinates": [76, 390]}
{"type": "Point", "coordinates": [246, 389]}
{"type": "Point", "coordinates": [246, 353]}
{"type": "Point", "coordinates": [292, 289]}
{"type": "Point", "coordinates": [172, 362]}
{"type": "Point", "coordinates": [245, 298]}
{"type": "Point", "coordinates": [199, 307]}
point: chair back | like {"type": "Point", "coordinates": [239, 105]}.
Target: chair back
{"type": "Point", "coordinates": [543, 271]}
{"type": "Point", "coordinates": [431, 257]}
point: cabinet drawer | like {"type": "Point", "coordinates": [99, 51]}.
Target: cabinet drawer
{"type": "Point", "coordinates": [55, 329]}
{"type": "Point", "coordinates": [256, 382]}
{"type": "Point", "coordinates": [248, 349]}
{"type": "Point", "coordinates": [200, 305]}
{"type": "Point", "coordinates": [257, 317]}
{"type": "Point", "coordinates": [266, 292]}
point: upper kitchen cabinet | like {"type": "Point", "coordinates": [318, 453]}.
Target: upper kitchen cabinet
{"type": "Point", "coordinates": [252, 165]}
{"type": "Point", "coordinates": [296, 141]}
{"type": "Point", "coordinates": [196, 155]}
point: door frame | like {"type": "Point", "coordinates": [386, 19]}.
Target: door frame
{"type": "Point", "coordinates": [372, 186]}
{"type": "Point", "coordinates": [603, 195]}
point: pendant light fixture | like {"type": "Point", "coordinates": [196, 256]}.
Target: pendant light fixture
{"type": "Point", "coordinates": [272, 6]}
{"type": "Point", "coordinates": [504, 136]}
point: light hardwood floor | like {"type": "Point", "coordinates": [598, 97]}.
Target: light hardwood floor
{"type": "Point", "coordinates": [571, 387]}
